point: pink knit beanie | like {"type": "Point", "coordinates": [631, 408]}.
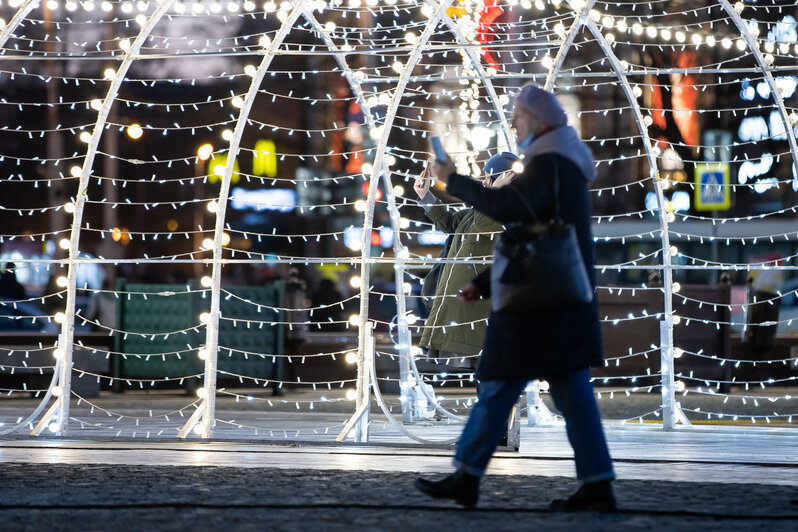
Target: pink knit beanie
{"type": "Point", "coordinates": [543, 104]}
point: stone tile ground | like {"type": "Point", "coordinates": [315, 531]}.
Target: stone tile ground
{"type": "Point", "coordinates": [120, 498]}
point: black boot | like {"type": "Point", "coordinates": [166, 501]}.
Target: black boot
{"type": "Point", "coordinates": [595, 496]}
{"type": "Point", "coordinates": [460, 486]}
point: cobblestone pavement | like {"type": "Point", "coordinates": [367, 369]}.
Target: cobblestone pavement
{"type": "Point", "coordinates": [101, 498]}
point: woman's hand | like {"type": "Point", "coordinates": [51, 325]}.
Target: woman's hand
{"type": "Point", "coordinates": [469, 293]}
{"type": "Point", "coordinates": [503, 179]}
{"type": "Point", "coordinates": [421, 186]}
{"type": "Point", "coordinates": [442, 171]}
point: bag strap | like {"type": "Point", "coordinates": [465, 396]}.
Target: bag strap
{"type": "Point", "coordinates": [556, 195]}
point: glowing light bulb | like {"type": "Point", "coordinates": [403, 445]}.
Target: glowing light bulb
{"type": "Point", "coordinates": [206, 281]}
{"type": "Point", "coordinates": [355, 281]}
{"type": "Point", "coordinates": [213, 206]}
{"type": "Point", "coordinates": [207, 244]}
{"type": "Point", "coordinates": [109, 73]}
{"type": "Point", "coordinates": [59, 317]}
{"type": "Point", "coordinates": [124, 45]}
{"type": "Point", "coordinates": [202, 354]}
{"type": "Point", "coordinates": [202, 393]}
{"type": "Point", "coordinates": [250, 70]}
{"type": "Point", "coordinates": [676, 287]}
{"type": "Point", "coordinates": [678, 352]}
{"type": "Point", "coordinates": [85, 136]}
{"type": "Point", "coordinates": [361, 205]}
{"type": "Point", "coordinates": [58, 354]}
{"type": "Point", "coordinates": [518, 167]}
{"type": "Point", "coordinates": [351, 395]}
{"type": "Point", "coordinates": [205, 317]}
{"type": "Point", "coordinates": [354, 320]}
{"type": "Point", "coordinates": [199, 428]}
{"type": "Point", "coordinates": [204, 152]}
{"type": "Point", "coordinates": [53, 427]}
{"type": "Point", "coordinates": [64, 243]}
{"type": "Point", "coordinates": [237, 102]}
{"type": "Point", "coordinates": [679, 386]}
{"type": "Point", "coordinates": [58, 391]}
{"type": "Point", "coordinates": [411, 319]}
{"type": "Point", "coordinates": [96, 104]}
{"type": "Point", "coordinates": [227, 135]}
{"type": "Point", "coordinates": [134, 131]}
{"type": "Point", "coordinates": [69, 207]}
{"type": "Point", "coordinates": [76, 171]}
{"type": "Point", "coordinates": [351, 357]}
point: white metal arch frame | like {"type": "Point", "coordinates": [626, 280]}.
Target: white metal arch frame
{"type": "Point", "coordinates": [670, 408]}
{"type": "Point", "coordinates": [206, 409]}
{"type": "Point", "coordinates": [18, 18]}
{"type": "Point", "coordinates": [379, 168]}
{"type": "Point", "coordinates": [774, 91]}
{"type": "Point", "coordinates": [6, 34]}
{"type": "Point", "coordinates": [360, 96]}
{"type": "Point", "coordinates": [59, 411]}
{"type": "Point", "coordinates": [408, 363]}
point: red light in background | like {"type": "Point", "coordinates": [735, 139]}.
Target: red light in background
{"type": "Point", "coordinates": [375, 239]}
{"type": "Point", "coordinates": [365, 188]}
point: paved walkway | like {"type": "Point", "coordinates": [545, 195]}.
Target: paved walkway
{"type": "Point", "coordinates": [717, 479]}
{"type": "Point", "coordinates": [286, 473]}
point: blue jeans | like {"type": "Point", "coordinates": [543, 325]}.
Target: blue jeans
{"type": "Point", "coordinates": [573, 396]}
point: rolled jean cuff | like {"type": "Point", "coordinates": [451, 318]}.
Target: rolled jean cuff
{"type": "Point", "coordinates": [598, 477]}
{"type": "Point", "coordinates": [471, 470]}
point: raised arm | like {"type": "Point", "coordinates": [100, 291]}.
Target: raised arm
{"type": "Point", "coordinates": [505, 204]}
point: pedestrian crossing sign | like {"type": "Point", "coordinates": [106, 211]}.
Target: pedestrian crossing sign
{"type": "Point", "coordinates": [712, 187]}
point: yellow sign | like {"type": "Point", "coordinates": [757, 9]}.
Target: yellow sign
{"type": "Point", "coordinates": [712, 187]}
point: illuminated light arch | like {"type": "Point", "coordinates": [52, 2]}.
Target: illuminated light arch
{"type": "Point", "coordinates": [60, 408]}
{"type": "Point", "coordinates": [583, 19]}
{"type": "Point", "coordinates": [302, 8]}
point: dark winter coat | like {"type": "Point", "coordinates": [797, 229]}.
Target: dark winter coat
{"type": "Point", "coordinates": [538, 344]}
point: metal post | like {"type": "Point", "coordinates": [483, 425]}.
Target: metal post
{"type": "Point", "coordinates": [666, 369]}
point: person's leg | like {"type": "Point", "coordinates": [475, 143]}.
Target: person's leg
{"type": "Point", "coordinates": [481, 435]}
{"type": "Point", "coordinates": [486, 424]}
{"type": "Point", "coordinates": [573, 395]}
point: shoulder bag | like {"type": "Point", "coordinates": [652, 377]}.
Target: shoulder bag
{"type": "Point", "coordinates": [538, 266]}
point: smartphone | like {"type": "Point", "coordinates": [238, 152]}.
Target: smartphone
{"type": "Point", "coordinates": [437, 147]}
